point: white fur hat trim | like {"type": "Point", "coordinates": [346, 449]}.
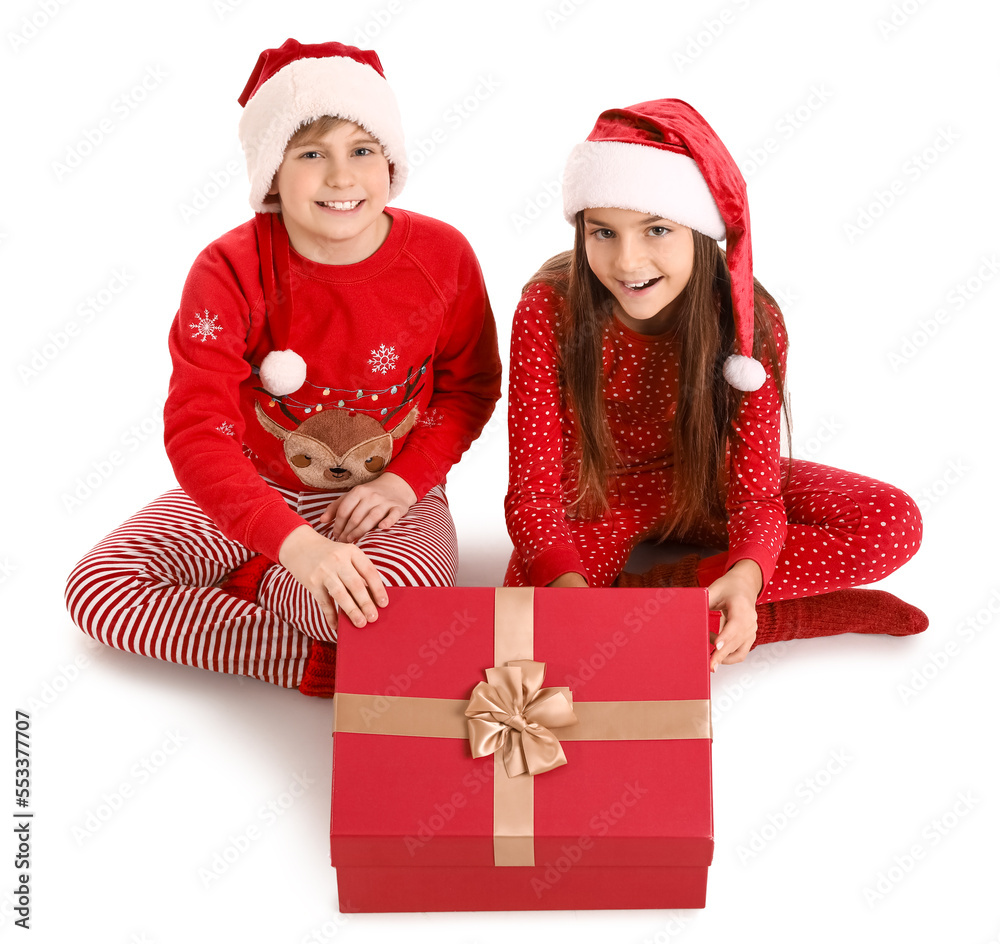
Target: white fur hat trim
{"type": "Point", "coordinates": [643, 178]}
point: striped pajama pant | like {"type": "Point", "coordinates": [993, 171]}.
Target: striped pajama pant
{"type": "Point", "coordinates": [150, 586]}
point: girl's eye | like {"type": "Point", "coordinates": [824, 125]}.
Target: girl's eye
{"type": "Point", "coordinates": [658, 230]}
{"type": "Point", "coordinates": [603, 233]}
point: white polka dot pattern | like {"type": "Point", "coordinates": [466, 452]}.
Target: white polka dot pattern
{"type": "Point", "coordinates": [824, 529]}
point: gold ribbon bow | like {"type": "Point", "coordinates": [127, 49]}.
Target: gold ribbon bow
{"type": "Point", "coordinates": [512, 713]}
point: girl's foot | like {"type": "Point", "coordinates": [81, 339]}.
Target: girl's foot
{"type": "Point", "coordinates": [682, 573]}
{"type": "Point", "coordinates": [842, 611]}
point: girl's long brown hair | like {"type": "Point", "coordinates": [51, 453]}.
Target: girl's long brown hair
{"type": "Point", "coordinates": [707, 404]}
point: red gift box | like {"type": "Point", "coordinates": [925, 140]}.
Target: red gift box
{"type": "Point", "coordinates": [420, 824]}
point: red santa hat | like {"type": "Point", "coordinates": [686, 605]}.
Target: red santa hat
{"type": "Point", "coordinates": [662, 157]}
{"type": "Point", "coordinates": [295, 84]}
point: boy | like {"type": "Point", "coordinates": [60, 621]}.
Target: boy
{"type": "Point", "coordinates": [332, 359]}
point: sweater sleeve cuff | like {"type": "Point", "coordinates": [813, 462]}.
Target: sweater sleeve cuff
{"type": "Point", "coordinates": [760, 555]}
{"type": "Point", "coordinates": [554, 562]}
{"type": "Point", "coordinates": [267, 531]}
{"type": "Point", "coordinates": [416, 470]}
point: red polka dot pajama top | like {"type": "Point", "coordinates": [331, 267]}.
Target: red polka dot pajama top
{"type": "Point", "coordinates": [820, 529]}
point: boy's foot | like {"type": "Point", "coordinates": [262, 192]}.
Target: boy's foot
{"type": "Point", "coordinates": [244, 582]}
{"type": "Point", "coordinates": [321, 669]}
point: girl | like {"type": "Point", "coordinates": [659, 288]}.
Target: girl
{"type": "Point", "coordinates": [646, 393]}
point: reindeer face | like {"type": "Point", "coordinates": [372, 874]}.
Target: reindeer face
{"type": "Point", "coordinates": [316, 464]}
{"type": "Point", "coordinates": [336, 448]}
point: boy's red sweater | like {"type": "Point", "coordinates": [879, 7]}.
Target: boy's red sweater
{"type": "Point", "coordinates": [364, 330]}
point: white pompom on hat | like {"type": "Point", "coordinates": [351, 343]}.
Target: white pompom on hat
{"type": "Point", "coordinates": [662, 157]}
{"type": "Point", "coordinates": [295, 84]}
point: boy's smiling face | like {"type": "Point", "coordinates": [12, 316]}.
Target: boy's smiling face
{"type": "Point", "coordinates": [333, 190]}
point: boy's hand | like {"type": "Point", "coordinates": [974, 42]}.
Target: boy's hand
{"type": "Point", "coordinates": [379, 503]}
{"type": "Point", "coordinates": [334, 573]}
{"type": "Point", "coordinates": [734, 594]}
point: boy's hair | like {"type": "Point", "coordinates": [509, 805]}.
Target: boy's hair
{"type": "Point", "coordinates": [314, 130]}
{"type": "Point", "coordinates": [707, 405]}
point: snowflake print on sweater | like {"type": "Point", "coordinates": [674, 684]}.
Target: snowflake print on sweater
{"type": "Point", "coordinates": [206, 327]}
{"type": "Point", "coordinates": [383, 359]}
{"type": "Point", "coordinates": [430, 418]}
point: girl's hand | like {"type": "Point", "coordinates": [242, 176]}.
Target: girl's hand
{"type": "Point", "coordinates": [379, 503]}
{"type": "Point", "coordinates": [334, 573]}
{"type": "Point", "coordinates": [570, 580]}
{"type": "Point", "coordinates": [734, 594]}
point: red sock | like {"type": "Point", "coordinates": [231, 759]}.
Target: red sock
{"type": "Point", "coordinates": [321, 669]}
{"type": "Point", "coordinates": [243, 582]}
{"type": "Point", "coordinates": [843, 611]}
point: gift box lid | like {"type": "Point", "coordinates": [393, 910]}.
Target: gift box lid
{"type": "Point", "coordinates": [639, 794]}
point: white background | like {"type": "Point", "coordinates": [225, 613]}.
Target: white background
{"type": "Point", "coordinates": [916, 803]}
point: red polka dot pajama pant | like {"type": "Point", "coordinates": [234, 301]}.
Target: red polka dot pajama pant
{"type": "Point", "coordinates": [844, 530]}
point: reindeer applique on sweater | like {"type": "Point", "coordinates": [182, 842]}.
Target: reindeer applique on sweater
{"type": "Point", "coordinates": [340, 448]}
{"type": "Point", "coordinates": [337, 448]}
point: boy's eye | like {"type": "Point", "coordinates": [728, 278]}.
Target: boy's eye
{"type": "Point", "coordinates": [310, 154]}
{"type": "Point", "coordinates": [363, 151]}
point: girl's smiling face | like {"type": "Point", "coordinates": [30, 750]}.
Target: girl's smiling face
{"type": "Point", "coordinates": [645, 261]}
{"type": "Point", "coordinates": [333, 189]}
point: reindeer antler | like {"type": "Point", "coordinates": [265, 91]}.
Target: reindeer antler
{"type": "Point", "coordinates": [409, 392]}
{"type": "Point", "coordinates": [273, 428]}
{"type": "Point", "coordinates": [279, 400]}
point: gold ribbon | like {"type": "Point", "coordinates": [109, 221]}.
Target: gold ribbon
{"type": "Point", "coordinates": [513, 794]}
{"type": "Point", "coordinates": [510, 712]}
